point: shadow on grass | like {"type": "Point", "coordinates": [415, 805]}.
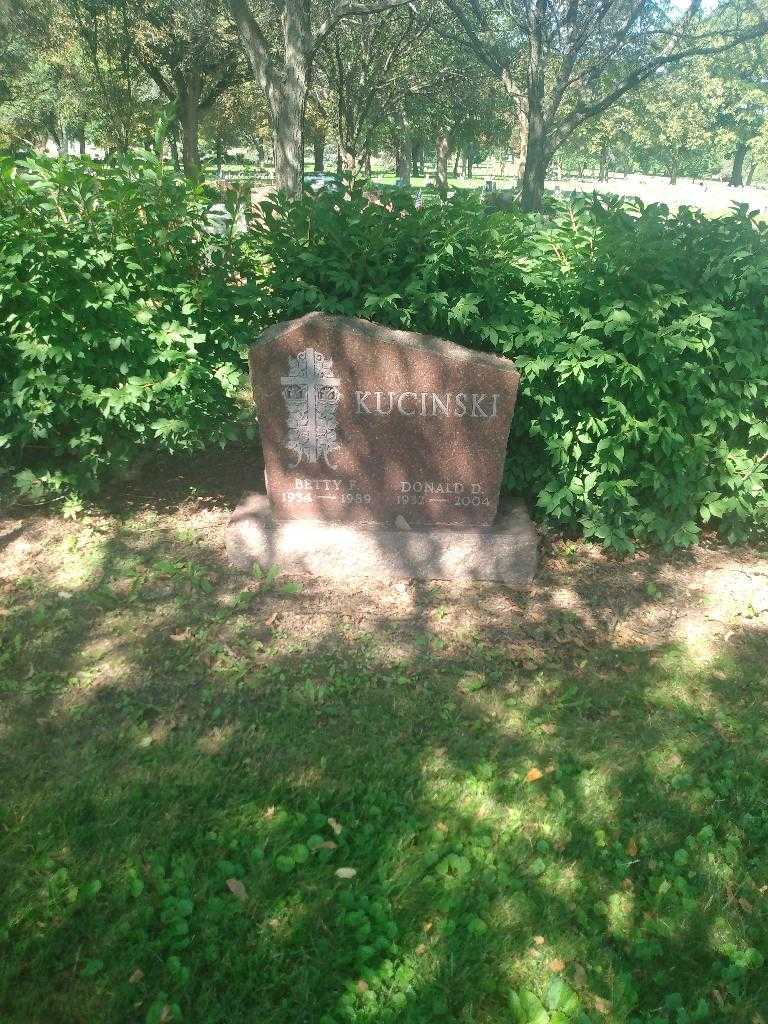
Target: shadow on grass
{"type": "Point", "coordinates": [189, 757]}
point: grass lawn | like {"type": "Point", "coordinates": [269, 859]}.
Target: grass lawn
{"type": "Point", "coordinates": [476, 182]}
{"type": "Point", "coordinates": [715, 198]}
{"type": "Point", "coordinates": [229, 799]}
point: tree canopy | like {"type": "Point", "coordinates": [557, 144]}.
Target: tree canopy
{"type": "Point", "coordinates": [613, 84]}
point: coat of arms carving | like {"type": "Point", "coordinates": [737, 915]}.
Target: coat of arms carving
{"type": "Point", "coordinates": [311, 395]}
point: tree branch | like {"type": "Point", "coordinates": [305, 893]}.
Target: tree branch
{"type": "Point", "coordinates": [226, 79]}
{"type": "Point", "coordinates": [346, 9]}
{"type": "Point", "coordinates": [584, 113]}
{"type": "Point", "coordinates": [160, 80]}
{"type": "Point", "coordinates": [255, 45]}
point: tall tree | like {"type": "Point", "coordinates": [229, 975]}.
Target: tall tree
{"type": "Point", "coordinates": [676, 122]}
{"type": "Point", "coordinates": [190, 51]}
{"type": "Point", "coordinates": [365, 65]}
{"type": "Point", "coordinates": [744, 102]}
{"type": "Point", "coordinates": [107, 36]}
{"type": "Point", "coordinates": [237, 118]}
{"type": "Point", "coordinates": [45, 87]}
{"type": "Point", "coordinates": [608, 140]}
{"type": "Point", "coordinates": [565, 62]}
{"type": "Point", "coordinates": [282, 41]}
{"type": "Point", "coordinates": [188, 48]}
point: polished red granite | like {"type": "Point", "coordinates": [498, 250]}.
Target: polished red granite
{"type": "Point", "coordinates": [364, 424]}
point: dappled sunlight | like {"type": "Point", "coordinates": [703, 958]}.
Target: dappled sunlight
{"type": "Point", "coordinates": [620, 914]}
{"type": "Point", "coordinates": [282, 927]}
{"type": "Point", "coordinates": [215, 740]}
{"type": "Point", "coordinates": [599, 800]}
{"type": "Point", "coordinates": [210, 750]}
{"type": "Point", "coordinates": [723, 599]}
{"type": "Point", "coordinates": [700, 644]}
{"type": "Point", "coordinates": [78, 560]}
{"type": "Point", "coordinates": [723, 935]}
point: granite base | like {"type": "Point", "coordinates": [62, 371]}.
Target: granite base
{"type": "Point", "coordinates": [505, 551]}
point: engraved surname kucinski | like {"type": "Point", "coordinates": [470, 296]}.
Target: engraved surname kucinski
{"type": "Point", "coordinates": [311, 395]}
{"type": "Point", "coordinates": [426, 403]}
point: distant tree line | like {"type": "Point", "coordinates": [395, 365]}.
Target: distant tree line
{"type": "Point", "coordinates": [602, 84]}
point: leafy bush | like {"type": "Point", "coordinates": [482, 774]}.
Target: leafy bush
{"type": "Point", "coordinates": [640, 336]}
{"type": "Point", "coordinates": [119, 323]}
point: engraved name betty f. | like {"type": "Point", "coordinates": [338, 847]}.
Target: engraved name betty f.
{"type": "Point", "coordinates": [311, 395]}
{"type": "Point", "coordinates": [426, 403]}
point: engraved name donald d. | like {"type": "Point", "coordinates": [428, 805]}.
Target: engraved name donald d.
{"type": "Point", "coordinates": [311, 395]}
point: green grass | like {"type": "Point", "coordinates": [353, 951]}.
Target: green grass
{"type": "Point", "coordinates": [478, 181]}
{"type": "Point", "coordinates": [264, 175]}
{"type": "Point", "coordinates": [188, 757]}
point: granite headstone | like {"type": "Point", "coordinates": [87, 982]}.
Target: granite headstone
{"type": "Point", "coordinates": [383, 455]}
{"type": "Point", "coordinates": [363, 424]}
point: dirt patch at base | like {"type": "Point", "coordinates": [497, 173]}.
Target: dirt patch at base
{"type": "Point", "coordinates": [178, 508]}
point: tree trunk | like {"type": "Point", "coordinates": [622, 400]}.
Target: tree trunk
{"type": "Point", "coordinates": [534, 175]}
{"type": "Point", "coordinates": [603, 175]}
{"type": "Point", "coordinates": [219, 155]}
{"type": "Point", "coordinates": [468, 172]}
{"type": "Point", "coordinates": [81, 147]}
{"type": "Point", "coordinates": [751, 171]}
{"type": "Point", "coordinates": [286, 94]}
{"type": "Point", "coordinates": [318, 147]}
{"type": "Point", "coordinates": [289, 123]}
{"type": "Point", "coordinates": [522, 126]}
{"type": "Point", "coordinates": [442, 149]}
{"type": "Point", "coordinates": [366, 163]}
{"type": "Point", "coordinates": [288, 137]}
{"type": "Point", "coordinates": [174, 147]}
{"type": "Point", "coordinates": [402, 163]}
{"type": "Point", "coordinates": [538, 152]}
{"type": "Point", "coordinates": [456, 165]}
{"type": "Point", "coordinates": [737, 171]}
{"type": "Point", "coordinates": [189, 109]}
{"type": "Point", "coordinates": [673, 177]}
{"type": "Point", "coordinates": [346, 134]}
{"type": "Point", "coordinates": [418, 160]}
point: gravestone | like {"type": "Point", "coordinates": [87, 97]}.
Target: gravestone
{"type": "Point", "coordinates": [383, 453]}
{"type": "Point", "coordinates": [364, 424]}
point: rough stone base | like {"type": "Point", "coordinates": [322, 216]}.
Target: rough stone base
{"type": "Point", "coordinates": [506, 551]}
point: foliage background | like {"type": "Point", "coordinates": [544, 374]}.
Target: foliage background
{"type": "Point", "coordinates": [640, 335]}
{"type": "Point", "coordinates": [118, 324]}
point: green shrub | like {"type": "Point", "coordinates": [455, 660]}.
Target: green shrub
{"type": "Point", "coordinates": [640, 336]}
{"type": "Point", "coordinates": [118, 318]}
